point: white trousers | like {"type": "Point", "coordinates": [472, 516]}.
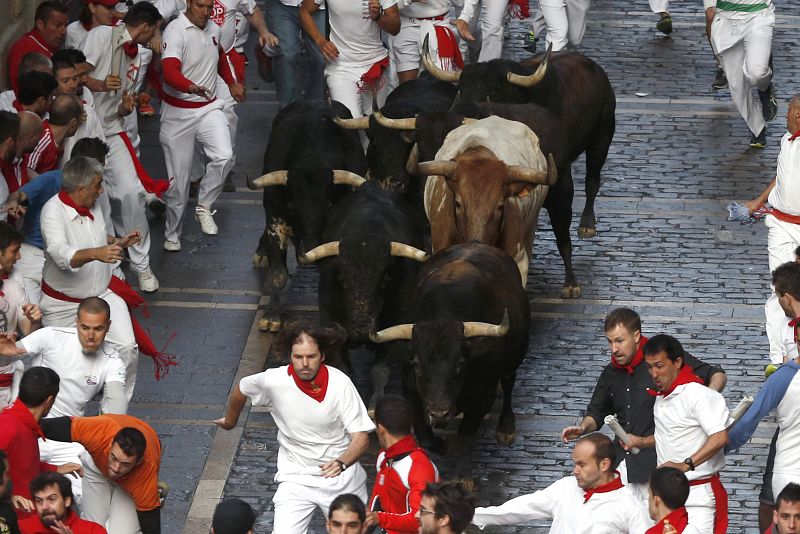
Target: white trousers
{"type": "Point", "coordinates": [700, 506]}
{"type": "Point", "coordinates": [743, 48]}
{"type": "Point", "coordinates": [659, 6]}
{"type": "Point", "coordinates": [782, 239]}
{"type": "Point", "coordinates": [60, 453]}
{"type": "Point", "coordinates": [106, 503]}
{"type": "Point", "coordinates": [127, 197]}
{"type": "Point", "coordinates": [120, 333]}
{"type": "Point", "coordinates": [343, 83]}
{"type": "Point", "coordinates": [295, 503]}
{"type": "Point", "coordinates": [564, 20]}
{"type": "Point", "coordinates": [28, 271]}
{"type": "Point", "coordinates": [229, 108]}
{"type": "Point", "coordinates": [180, 128]}
{"type": "Point", "coordinates": [490, 21]}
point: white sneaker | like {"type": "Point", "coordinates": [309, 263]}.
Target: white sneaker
{"type": "Point", "coordinates": [172, 246]}
{"type": "Point", "coordinates": [206, 220]}
{"type": "Point", "coordinates": [148, 281]}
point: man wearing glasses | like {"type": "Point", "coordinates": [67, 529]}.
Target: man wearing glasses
{"type": "Point", "coordinates": [445, 508]}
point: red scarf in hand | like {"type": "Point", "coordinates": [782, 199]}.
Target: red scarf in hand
{"type": "Point", "coordinates": [83, 212]}
{"type": "Point", "coordinates": [678, 518]}
{"type": "Point", "coordinates": [604, 488]}
{"type": "Point", "coordinates": [315, 388]}
{"type": "Point", "coordinates": [637, 359]}
{"type": "Point", "coordinates": [372, 80]}
{"type": "Point", "coordinates": [447, 43]}
{"type": "Point", "coordinates": [685, 376]}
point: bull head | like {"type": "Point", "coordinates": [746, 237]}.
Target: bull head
{"type": "Point", "coordinates": [340, 177]}
{"type": "Point", "coordinates": [516, 173]}
{"type": "Point", "coordinates": [433, 68]}
{"type": "Point", "coordinates": [471, 329]}
{"type": "Point", "coordinates": [400, 250]}
{"type": "Point", "coordinates": [531, 79]}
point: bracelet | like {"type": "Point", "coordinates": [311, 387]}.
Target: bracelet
{"type": "Point", "coordinates": [342, 465]}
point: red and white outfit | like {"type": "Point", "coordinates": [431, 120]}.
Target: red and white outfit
{"type": "Point", "coordinates": [191, 55]}
{"type": "Point", "coordinates": [76, 525]}
{"type": "Point", "coordinates": [783, 224]}
{"type": "Point", "coordinates": [33, 41]}
{"type": "Point", "coordinates": [359, 74]}
{"type": "Point", "coordinates": [311, 431]}
{"type": "Point", "coordinates": [124, 177]}
{"type": "Point", "coordinates": [491, 18]}
{"type": "Point", "coordinates": [403, 471]}
{"type": "Point", "coordinates": [12, 298]}
{"type": "Point", "coordinates": [608, 509]}
{"type": "Point", "coordinates": [65, 232]}
{"type": "Point", "coordinates": [89, 127]}
{"type": "Point", "coordinates": [47, 154]}
{"type": "Point", "coordinates": [421, 19]}
{"type": "Point", "coordinates": [679, 519]}
{"type": "Point", "coordinates": [685, 416]}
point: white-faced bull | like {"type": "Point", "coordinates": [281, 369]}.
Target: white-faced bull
{"type": "Point", "coordinates": [310, 164]}
{"type": "Point", "coordinates": [467, 331]}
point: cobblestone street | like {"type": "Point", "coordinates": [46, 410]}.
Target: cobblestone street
{"type": "Point", "coordinates": [663, 247]}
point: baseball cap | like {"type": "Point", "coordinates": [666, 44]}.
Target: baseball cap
{"type": "Point", "coordinates": [233, 516]}
{"type": "Point", "coordinates": [107, 3]}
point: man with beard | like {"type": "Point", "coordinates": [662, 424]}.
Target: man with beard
{"type": "Point", "coordinates": [592, 500]}
{"type": "Point", "coordinates": [322, 425]}
{"type": "Point", "coordinates": [347, 515]}
{"type": "Point", "coordinates": [52, 497]}
{"type": "Point", "coordinates": [445, 508]}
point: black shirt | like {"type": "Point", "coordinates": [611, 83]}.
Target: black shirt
{"type": "Point", "coordinates": [618, 393]}
{"type": "Point", "coordinates": [8, 518]}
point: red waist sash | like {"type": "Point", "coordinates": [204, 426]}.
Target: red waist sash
{"type": "Point", "coordinates": [720, 501]}
{"type": "Point", "coordinates": [785, 217]}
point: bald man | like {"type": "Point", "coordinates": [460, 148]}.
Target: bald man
{"type": "Point", "coordinates": [64, 120]}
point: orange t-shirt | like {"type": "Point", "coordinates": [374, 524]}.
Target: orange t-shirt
{"type": "Point", "coordinates": [96, 435]}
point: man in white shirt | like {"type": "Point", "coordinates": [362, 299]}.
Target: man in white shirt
{"type": "Point", "coordinates": [690, 433]}
{"type": "Point", "coordinates": [356, 72]}
{"type": "Point", "coordinates": [322, 423]}
{"type": "Point", "coordinates": [592, 500]}
{"type": "Point", "coordinates": [79, 256]}
{"type": "Point", "coordinates": [191, 112]}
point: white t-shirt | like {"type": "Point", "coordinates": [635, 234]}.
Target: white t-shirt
{"type": "Point", "coordinates": [310, 433]}
{"type": "Point", "coordinates": [613, 512]}
{"type": "Point", "coordinates": [76, 35]}
{"type": "Point", "coordinates": [684, 420]}
{"type": "Point", "coordinates": [786, 194]}
{"type": "Point", "coordinates": [197, 50]}
{"type": "Point", "coordinates": [7, 101]}
{"type": "Point", "coordinates": [91, 127]}
{"type": "Point", "coordinates": [99, 50]}
{"type": "Point", "coordinates": [356, 36]}
{"type": "Point", "coordinates": [82, 377]}
{"type": "Point", "coordinates": [224, 16]}
{"type": "Point", "coordinates": [11, 302]}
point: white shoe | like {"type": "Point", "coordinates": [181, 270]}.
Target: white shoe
{"type": "Point", "coordinates": [172, 246]}
{"type": "Point", "coordinates": [206, 220]}
{"type": "Point", "coordinates": [148, 281]}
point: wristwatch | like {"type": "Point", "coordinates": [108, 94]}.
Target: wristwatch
{"type": "Point", "coordinates": [690, 463]}
{"type": "Point", "coordinates": [343, 465]}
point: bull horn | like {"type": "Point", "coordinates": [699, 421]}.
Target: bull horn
{"type": "Point", "coordinates": [395, 124]}
{"type": "Point", "coordinates": [536, 77]}
{"type": "Point", "coordinates": [271, 178]}
{"type": "Point", "coordinates": [518, 173]}
{"type": "Point", "coordinates": [319, 252]}
{"type": "Point", "coordinates": [474, 329]}
{"type": "Point", "coordinates": [437, 168]}
{"type": "Point", "coordinates": [433, 68]}
{"type": "Point", "coordinates": [393, 333]}
{"type": "Point", "coordinates": [360, 123]}
{"type": "Point", "coordinates": [407, 251]}
{"type": "Point", "coordinates": [412, 163]}
{"type": "Point", "coordinates": [348, 178]}
{"type": "Point", "coordinates": [468, 120]}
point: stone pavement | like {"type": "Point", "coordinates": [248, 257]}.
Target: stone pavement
{"type": "Point", "coordinates": [663, 247]}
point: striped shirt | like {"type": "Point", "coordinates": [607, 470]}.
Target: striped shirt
{"type": "Point", "coordinates": [46, 155]}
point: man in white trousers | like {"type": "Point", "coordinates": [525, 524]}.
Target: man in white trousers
{"type": "Point", "coordinates": [741, 37]}
{"type": "Point", "coordinates": [191, 54]}
{"type": "Point", "coordinates": [112, 52]}
{"type": "Point", "coordinates": [358, 63]}
{"type": "Point", "coordinates": [491, 18]}
{"type": "Point", "coordinates": [783, 222]}
{"type": "Point", "coordinates": [563, 20]}
{"type": "Point", "coordinates": [322, 422]}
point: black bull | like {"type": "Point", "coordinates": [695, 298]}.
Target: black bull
{"type": "Point", "coordinates": [468, 330]}
{"type": "Point", "coordinates": [568, 84]}
{"type": "Point", "coordinates": [309, 165]}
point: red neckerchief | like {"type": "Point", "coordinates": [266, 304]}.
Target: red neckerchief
{"type": "Point", "coordinates": [372, 80]}
{"type": "Point", "coordinates": [17, 106]}
{"type": "Point", "coordinates": [793, 324]}
{"type": "Point", "coordinates": [685, 376]}
{"type": "Point", "coordinates": [604, 488]}
{"type": "Point", "coordinates": [87, 27]}
{"type": "Point", "coordinates": [131, 49]}
{"type": "Point", "coordinates": [404, 446]}
{"type": "Point", "coordinates": [2, 278]}
{"type": "Point", "coordinates": [795, 136]}
{"type": "Point", "coordinates": [24, 415]}
{"type": "Point", "coordinates": [83, 212]}
{"type": "Point", "coordinates": [637, 359]}
{"type": "Point", "coordinates": [315, 388]}
{"type": "Point", "coordinates": [678, 518]}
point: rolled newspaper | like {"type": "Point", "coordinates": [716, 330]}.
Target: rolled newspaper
{"type": "Point", "coordinates": [741, 408]}
{"type": "Point", "coordinates": [613, 424]}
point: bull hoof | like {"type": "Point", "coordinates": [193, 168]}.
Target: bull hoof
{"type": "Point", "coordinates": [506, 438]}
{"type": "Point", "coordinates": [260, 261]}
{"type": "Point", "coordinates": [269, 325]}
{"type": "Point", "coordinates": [570, 292]}
{"type": "Point", "coordinates": [587, 232]}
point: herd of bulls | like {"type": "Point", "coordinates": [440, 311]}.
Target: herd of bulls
{"type": "Point", "coordinates": [458, 164]}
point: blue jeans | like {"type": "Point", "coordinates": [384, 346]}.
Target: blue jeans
{"type": "Point", "coordinates": [284, 22]}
